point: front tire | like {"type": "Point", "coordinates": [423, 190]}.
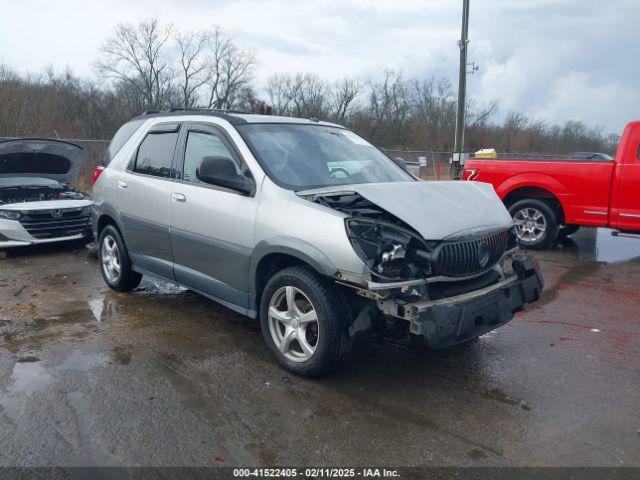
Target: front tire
{"type": "Point", "coordinates": [536, 223]}
{"type": "Point", "coordinates": [302, 322]}
{"type": "Point", "coordinates": [115, 263]}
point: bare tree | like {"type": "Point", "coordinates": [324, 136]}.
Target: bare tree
{"type": "Point", "coordinates": [301, 95]}
{"type": "Point", "coordinates": [192, 49]}
{"type": "Point", "coordinates": [136, 55]}
{"type": "Point", "coordinates": [343, 96]}
{"type": "Point", "coordinates": [228, 70]}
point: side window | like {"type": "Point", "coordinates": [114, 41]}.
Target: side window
{"type": "Point", "coordinates": [119, 139]}
{"type": "Point", "coordinates": [155, 154]}
{"type": "Point", "coordinates": [200, 145]}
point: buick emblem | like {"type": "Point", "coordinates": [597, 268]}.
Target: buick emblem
{"type": "Point", "coordinates": [56, 213]}
{"type": "Point", "coordinates": [483, 254]}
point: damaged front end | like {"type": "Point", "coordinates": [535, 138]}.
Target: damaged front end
{"type": "Point", "coordinates": [446, 290]}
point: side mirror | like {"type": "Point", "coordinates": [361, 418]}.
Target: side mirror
{"type": "Point", "coordinates": [221, 171]}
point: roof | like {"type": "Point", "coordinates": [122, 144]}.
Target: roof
{"type": "Point", "coordinates": [234, 117]}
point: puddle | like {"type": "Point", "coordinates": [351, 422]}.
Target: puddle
{"type": "Point", "coordinates": [79, 360]}
{"type": "Point", "coordinates": [597, 244]}
{"type": "Point", "coordinates": [29, 377]}
{"type": "Point", "coordinates": [96, 305]}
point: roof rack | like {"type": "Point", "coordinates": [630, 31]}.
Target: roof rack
{"type": "Point", "coordinates": [195, 109]}
{"type": "Point", "coordinates": [218, 112]}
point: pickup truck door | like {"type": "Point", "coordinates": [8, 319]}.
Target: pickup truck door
{"type": "Point", "coordinates": [211, 227]}
{"type": "Point", "coordinates": [626, 183]}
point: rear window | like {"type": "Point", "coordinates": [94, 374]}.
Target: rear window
{"type": "Point", "coordinates": [155, 154]}
{"type": "Point", "coordinates": [34, 163]}
{"type": "Point", "coordinates": [119, 139]}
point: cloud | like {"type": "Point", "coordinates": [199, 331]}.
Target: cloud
{"type": "Point", "coordinates": [558, 59]}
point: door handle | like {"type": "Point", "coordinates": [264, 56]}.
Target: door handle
{"type": "Point", "coordinates": [178, 197]}
{"type": "Point", "coordinates": [122, 184]}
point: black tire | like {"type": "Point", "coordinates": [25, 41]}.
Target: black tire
{"type": "Point", "coordinates": [567, 230]}
{"type": "Point", "coordinates": [128, 279]}
{"type": "Point", "coordinates": [333, 343]}
{"type": "Point", "coordinates": [550, 218]}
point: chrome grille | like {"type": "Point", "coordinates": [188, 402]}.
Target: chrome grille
{"type": "Point", "coordinates": [43, 224]}
{"type": "Point", "coordinates": [460, 258]}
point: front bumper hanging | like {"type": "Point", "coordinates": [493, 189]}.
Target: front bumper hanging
{"type": "Point", "coordinates": [452, 320]}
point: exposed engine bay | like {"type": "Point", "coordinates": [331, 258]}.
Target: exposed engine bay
{"type": "Point", "coordinates": [391, 249]}
{"type": "Point", "coordinates": [394, 251]}
{"type": "Point", "coordinates": [36, 193]}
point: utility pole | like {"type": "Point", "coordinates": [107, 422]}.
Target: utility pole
{"type": "Point", "coordinates": [456, 165]}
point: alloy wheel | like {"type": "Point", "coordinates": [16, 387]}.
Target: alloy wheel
{"type": "Point", "coordinates": [293, 324]}
{"type": "Point", "coordinates": [110, 257]}
{"type": "Point", "coordinates": [531, 224]}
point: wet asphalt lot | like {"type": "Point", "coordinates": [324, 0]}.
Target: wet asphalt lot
{"type": "Point", "coordinates": [165, 377]}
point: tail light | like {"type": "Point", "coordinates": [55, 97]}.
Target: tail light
{"type": "Point", "coordinates": [470, 174]}
{"type": "Point", "coordinates": [96, 174]}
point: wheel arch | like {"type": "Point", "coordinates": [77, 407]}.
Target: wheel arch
{"type": "Point", "coordinates": [538, 190]}
{"type": "Point", "coordinates": [272, 256]}
{"type": "Point", "coordinates": [104, 220]}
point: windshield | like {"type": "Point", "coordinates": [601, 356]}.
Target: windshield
{"type": "Point", "coordinates": [300, 157]}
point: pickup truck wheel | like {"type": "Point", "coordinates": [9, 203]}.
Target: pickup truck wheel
{"type": "Point", "coordinates": [302, 322]}
{"type": "Point", "coordinates": [115, 264]}
{"type": "Point", "coordinates": [536, 223]}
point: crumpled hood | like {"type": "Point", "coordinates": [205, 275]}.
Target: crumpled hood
{"type": "Point", "coordinates": [437, 209]}
{"type": "Point", "coordinates": [40, 157]}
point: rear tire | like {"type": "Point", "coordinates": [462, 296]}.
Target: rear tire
{"type": "Point", "coordinates": [115, 263]}
{"type": "Point", "coordinates": [536, 223]}
{"type": "Point", "coordinates": [303, 323]}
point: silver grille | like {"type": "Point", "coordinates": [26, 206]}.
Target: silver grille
{"type": "Point", "coordinates": [460, 258]}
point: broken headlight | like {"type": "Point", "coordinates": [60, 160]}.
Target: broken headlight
{"type": "Point", "coordinates": [9, 215]}
{"type": "Point", "coordinates": [391, 252]}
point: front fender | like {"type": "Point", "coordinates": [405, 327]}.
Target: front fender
{"type": "Point", "coordinates": [290, 246]}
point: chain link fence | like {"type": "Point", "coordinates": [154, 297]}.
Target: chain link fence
{"type": "Point", "coordinates": [427, 165]}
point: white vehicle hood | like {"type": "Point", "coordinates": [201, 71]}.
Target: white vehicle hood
{"type": "Point", "coordinates": [57, 160]}
{"type": "Point", "coordinates": [46, 205]}
{"type": "Point", "coordinates": [436, 210]}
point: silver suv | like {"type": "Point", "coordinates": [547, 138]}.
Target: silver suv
{"type": "Point", "coordinates": [307, 227]}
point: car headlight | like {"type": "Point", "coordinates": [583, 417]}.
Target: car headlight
{"type": "Point", "coordinates": [86, 210]}
{"type": "Point", "coordinates": [391, 252]}
{"type": "Point", "coordinates": [9, 214]}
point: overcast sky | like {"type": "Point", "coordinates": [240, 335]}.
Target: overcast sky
{"type": "Point", "coordinates": [552, 59]}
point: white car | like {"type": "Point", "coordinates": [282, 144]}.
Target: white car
{"type": "Point", "coordinates": [36, 204]}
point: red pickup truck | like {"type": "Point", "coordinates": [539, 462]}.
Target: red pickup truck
{"type": "Point", "coordinates": [552, 198]}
